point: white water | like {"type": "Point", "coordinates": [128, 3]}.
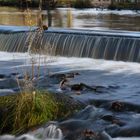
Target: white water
{"type": "Point", "coordinates": [74, 63]}
{"type": "Point", "coordinates": [94, 11]}
{"type": "Point", "coordinates": [49, 133]}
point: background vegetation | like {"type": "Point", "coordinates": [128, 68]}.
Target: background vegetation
{"type": "Point", "coordinates": [126, 5]}
{"type": "Point", "coordinates": [67, 3]}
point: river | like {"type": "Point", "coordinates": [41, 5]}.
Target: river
{"type": "Point", "coordinates": [74, 18]}
{"type": "Point", "coordinates": [110, 89]}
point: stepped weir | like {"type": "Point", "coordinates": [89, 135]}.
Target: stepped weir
{"type": "Point", "coordinates": [110, 45]}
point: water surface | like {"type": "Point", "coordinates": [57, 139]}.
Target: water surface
{"type": "Point", "coordinates": [74, 18]}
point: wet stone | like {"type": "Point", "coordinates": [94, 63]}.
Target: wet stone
{"type": "Point", "coordinates": [71, 75]}
{"type": "Point", "coordinates": [108, 117]}
{"type": "Point", "coordinates": [58, 76]}
{"type": "Point", "coordinates": [117, 106]}
{"type": "Point", "coordinates": [2, 76]}
{"type": "Point", "coordinates": [14, 73]}
{"type": "Point", "coordinates": [77, 87]}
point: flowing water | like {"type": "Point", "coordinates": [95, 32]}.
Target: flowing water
{"type": "Point", "coordinates": [118, 81]}
{"type": "Point", "coordinates": [49, 133]}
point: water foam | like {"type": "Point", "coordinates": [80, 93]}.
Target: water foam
{"type": "Point", "coordinates": [74, 63]}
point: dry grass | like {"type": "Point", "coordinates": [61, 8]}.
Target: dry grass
{"type": "Point", "coordinates": [22, 111]}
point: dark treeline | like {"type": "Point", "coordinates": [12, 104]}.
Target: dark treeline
{"type": "Point", "coordinates": [69, 3]}
{"type": "Point", "coordinates": [28, 3]}
{"type": "Point", "coordinates": [126, 5]}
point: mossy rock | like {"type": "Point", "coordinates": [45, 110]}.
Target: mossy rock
{"type": "Point", "coordinates": [67, 106]}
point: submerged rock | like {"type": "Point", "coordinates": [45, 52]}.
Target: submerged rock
{"type": "Point", "coordinates": [8, 83]}
{"type": "Point", "coordinates": [2, 76]}
{"type": "Point", "coordinates": [103, 136]}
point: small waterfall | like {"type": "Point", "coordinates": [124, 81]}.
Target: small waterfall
{"type": "Point", "coordinates": [49, 133]}
{"type": "Point", "coordinates": [99, 46]}
{"type": "Point", "coordinates": [119, 46]}
{"type": "Point", "coordinates": [52, 133]}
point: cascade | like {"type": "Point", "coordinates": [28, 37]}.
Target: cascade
{"type": "Point", "coordinates": [110, 45]}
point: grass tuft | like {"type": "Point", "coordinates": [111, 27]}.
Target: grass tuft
{"type": "Point", "coordinates": [22, 111]}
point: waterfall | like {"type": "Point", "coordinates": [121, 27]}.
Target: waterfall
{"type": "Point", "coordinates": [13, 42]}
{"type": "Point", "coordinates": [113, 45]}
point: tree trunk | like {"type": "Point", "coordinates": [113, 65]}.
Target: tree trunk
{"type": "Point", "coordinates": [49, 12]}
{"type": "Point", "coordinates": [112, 2]}
{"type": "Point", "coordinates": [136, 4]}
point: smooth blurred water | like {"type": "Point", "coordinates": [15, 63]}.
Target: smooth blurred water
{"type": "Point", "coordinates": [123, 77]}
{"type": "Point", "coordinates": [73, 18]}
